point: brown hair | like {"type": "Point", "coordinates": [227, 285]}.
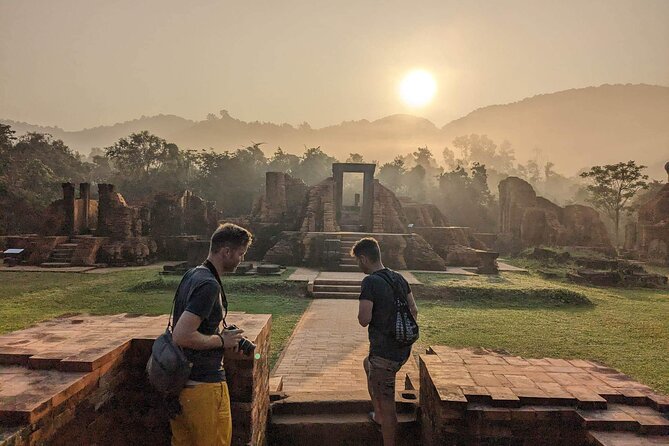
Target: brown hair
{"type": "Point", "coordinates": [367, 247]}
{"type": "Point", "coordinates": [230, 235]}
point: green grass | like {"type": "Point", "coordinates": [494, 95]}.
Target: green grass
{"type": "Point", "coordinates": [624, 328]}
{"type": "Point", "coordinates": [28, 298]}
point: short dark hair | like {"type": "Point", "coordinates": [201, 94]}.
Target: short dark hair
{"type": "Point", "coordinates": [230, 235]}
{"type": "Point", "coordinates": [367, 247]}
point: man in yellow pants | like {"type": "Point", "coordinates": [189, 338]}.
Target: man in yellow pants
{"type": "Point", "coordinates": [205, 418]}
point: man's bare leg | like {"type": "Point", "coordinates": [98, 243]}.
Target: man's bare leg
{"type": "Point", "coordinates": [375, 402]}
{"type": "Point", "coordinates": [389, 424]}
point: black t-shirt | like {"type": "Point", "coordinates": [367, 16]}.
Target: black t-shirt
{"type": "Point", "coordinates": [381, 341]}
{"type": "Point", "coordinates": [199, 293]}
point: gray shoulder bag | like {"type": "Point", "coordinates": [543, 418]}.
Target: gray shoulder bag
{"type": "Point", "coordinates": [168, 367]}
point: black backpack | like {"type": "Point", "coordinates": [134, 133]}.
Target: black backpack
{"type": "Point", "coordinates": [405, 331]}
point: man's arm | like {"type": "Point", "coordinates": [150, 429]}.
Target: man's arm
{"type": "Point", "coordinates": [365, 312]}
{"type": "Point", "coordinates": [412, 305]}
{"type": "Point", "coordinates": [186, 335]}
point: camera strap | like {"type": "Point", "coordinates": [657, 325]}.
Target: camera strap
{"type": "Point", "coordinates": [210, 266]}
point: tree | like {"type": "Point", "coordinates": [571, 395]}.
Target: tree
{"type": "Point", "coordinates": [354, 158]}
{"type": "Point", "coordinates": [140, 153]}
{"type": "Point", "coordinates": [315, 166]}
{"type": "Point", "coordinates": [391, 174]}
{"type": "Point", "coordinates": [465, 199]}
{"type": "Point", "coordinates": [613, 186]}
{"type": "Point", "coordinates": [283, 162]}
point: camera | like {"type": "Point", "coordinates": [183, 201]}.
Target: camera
{"type": "Point", "coordinates": [245, 346]}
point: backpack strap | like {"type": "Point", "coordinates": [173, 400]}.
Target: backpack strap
{"type": "Point", "coordinates": [394, 285]}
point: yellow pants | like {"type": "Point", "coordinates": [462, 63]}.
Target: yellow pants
{"type": "Point", "coordinates": [205, 419]}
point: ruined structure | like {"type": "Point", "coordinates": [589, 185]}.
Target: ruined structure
{"type": "Point", "coordinates": [527, 220]}
{"type": "Point", "coordinates": [313, 226]}
{"type": "Point", "coordinates": [649, 236]}
{"type": "Point", "coordinates": [84, 231]}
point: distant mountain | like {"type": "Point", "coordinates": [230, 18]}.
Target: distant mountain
{"type": "Point", "coordinates": [84, 140]}
{"type": "Point", "coordinates": [573, 128]}
{"type": "Point", "coordinates": [581, 127]}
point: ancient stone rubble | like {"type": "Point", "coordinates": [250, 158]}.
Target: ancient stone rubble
{"type": "Point", "coordinates": [649, 236]}
{"type": "Point", "coordinates": [527, 220]}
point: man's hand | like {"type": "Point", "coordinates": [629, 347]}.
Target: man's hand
{"type": "Point", "coordinates": [231, 338]}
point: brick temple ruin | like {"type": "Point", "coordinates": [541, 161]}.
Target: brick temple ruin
{"type": "Point", "coordinates": [298, 225]}
{"type": "Point", "coordinates": [83, 231]}
{"type": "Point", "coordinates": [648, 237]}
{"type": "Point", "coordinates": [81, 380]}
{"type": "Point", "coordinates": [312, 226]}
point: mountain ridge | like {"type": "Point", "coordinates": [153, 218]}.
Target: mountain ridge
{"type": "Point", "coordinates": [573, 128]}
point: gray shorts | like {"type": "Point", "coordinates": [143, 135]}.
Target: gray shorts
{"type": "Point", "coordinates": [381, 376]}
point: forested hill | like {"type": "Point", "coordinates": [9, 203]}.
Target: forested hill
{"type": "Point", "coordinates": [573, 128]}
{"type": "Point", "coordinates": [580, 127]}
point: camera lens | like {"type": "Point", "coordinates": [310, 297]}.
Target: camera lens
{"type": "Point", "coordinates": [246, 346]}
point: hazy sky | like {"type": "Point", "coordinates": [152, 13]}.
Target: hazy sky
{"type": "Point", "coordinates": [81, 63]}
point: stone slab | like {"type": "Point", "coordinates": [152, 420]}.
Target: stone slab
{"type": "Point", "coordinates": [303, 275]}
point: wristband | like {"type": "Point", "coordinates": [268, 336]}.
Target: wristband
{"type": "Point", "coordinates": [222, 340]}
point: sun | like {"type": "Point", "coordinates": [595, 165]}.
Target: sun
{"type": "Point", "coordinates": [417, 88]}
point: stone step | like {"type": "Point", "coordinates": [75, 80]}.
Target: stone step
{"type": "Point", "coordinates": [335, 295]}
{"type": "Point", "coordinates": [339, 429]}
{"type": "Point", "coordinates": [62, 254]}
{"type": "Point", "coordinates": [318, 282]}
{"type": "Point", "coordinates": [332, 402]}
{"type": "Point", "coordinates": [605, 438]}
{"type": "Point", "coordinates": [349, 267]}
{"type": "Point", "coordinates": [67, 245]}
{"type": "Point", "coordinates": [62, 250]}
{"type": "Point", "coordinates": [343, 288]}
{"type": "Point", "coordinates": [619, 417]}
{"type": "Point", "coordinates": [56, 264]}
{"type": "Point", "coordinates": [348, 261]}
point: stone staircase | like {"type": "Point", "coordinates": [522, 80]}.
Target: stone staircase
{"type": "Point", "coordinates": [346, 262]}
{"type": "Point", "coordinates": [336, 288]}
{"type": "Point", "coordinates": [622, 424]}
{"type": "Point", "coordinates": [338, 418]}
{"type": "Point", "coordinates": [61, 256]}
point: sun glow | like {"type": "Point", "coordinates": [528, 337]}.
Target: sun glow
{"type": "Point", "coordinates": [417, 88]}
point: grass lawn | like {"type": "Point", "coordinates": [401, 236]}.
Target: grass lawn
{"type": "Point", "coordinates": [529, 316]}
{"type": "Point", "coordinates": [27, 298]}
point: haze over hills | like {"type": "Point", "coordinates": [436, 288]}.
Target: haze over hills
{"type": "Point", "coordinates": [573, 129]}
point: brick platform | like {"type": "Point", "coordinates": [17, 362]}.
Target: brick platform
{"type": "Point", "coordinates": [482, 397]}
{"type": "Point", "coordinates": [81, 380]}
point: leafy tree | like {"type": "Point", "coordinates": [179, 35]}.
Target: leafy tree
{"type": "Point", "coordinates": [465, 198]}
{"type": "Point", "coordinates": [232, 179]}
{"type": "Point", "coordinates": [140, 153]}
{"type": "Point", "coordinates": [613, 185]}
{"type": "Point", "coordinates": [31, 170]}
{"type": "Point", "coordinates": [391, 174]}
{"type": "Point", "coordinates": [315, 166]}
{"type": "Point", "coordinates": [283, 162]}
{"type": "Point", "coordinates": [355, 158]}
{"type": "Point", "coordinates": [6, 136]}
{"type": "Point", "coordinates": [483, 150]}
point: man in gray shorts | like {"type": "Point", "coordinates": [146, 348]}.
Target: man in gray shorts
{"type": "Point", "coordinates": [377, 312]}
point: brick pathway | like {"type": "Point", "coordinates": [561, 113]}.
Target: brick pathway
{"type": "Point", "coordinates": [327, 349]}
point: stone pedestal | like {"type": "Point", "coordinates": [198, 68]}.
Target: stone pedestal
{"type": "Point", "coordinates": [487, 262]}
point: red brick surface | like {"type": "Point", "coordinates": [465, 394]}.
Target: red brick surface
{"type": "Point", "coordinates": [483, 397]}
{"type": "Point", "coordinates": [62, 371]}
